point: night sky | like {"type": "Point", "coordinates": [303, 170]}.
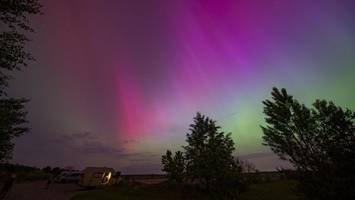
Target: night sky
{"type": "Point", "coordinates": [116, 83]}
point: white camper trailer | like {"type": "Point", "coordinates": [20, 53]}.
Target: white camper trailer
{"type": "Point", "coordinates": [98, 176]}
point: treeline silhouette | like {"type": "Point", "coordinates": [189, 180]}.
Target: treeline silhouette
{"type": "Point", "coordinates": [23, 172]}
{"type": "Point", "coordinates": [319, 142]}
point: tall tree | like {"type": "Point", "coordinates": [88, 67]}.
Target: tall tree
{"type": "Point", "coordinates": [208, 152]}
{"type": "Point", "coordinates": [14, 20]}
{"type": "Point", "coordinates": [318, 141]}
{"type": "Point", "coordinates": [207, 160]}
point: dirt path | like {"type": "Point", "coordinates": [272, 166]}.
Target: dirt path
{"type": "Point", "coordinates": [36, 190]}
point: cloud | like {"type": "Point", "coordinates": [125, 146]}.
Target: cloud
{"type": "Point", "coordinates": [267, 161]}
{"type": "Point", "coordinates": [96, 147]}
{"type": "Point", "coordinates": [91, 144]}
{"type": "Point", "coordinates": [146, 157]}
{"type": "Point", "coordinates": [146, 168]}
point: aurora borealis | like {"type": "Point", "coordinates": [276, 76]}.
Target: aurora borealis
{"type": "Point", "coordinates": [116, 83]}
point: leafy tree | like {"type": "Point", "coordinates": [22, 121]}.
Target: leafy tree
{"type": "Point", "coordinates": [12, 118]}
{"type": "Point", "coordinates": [14, 20]}
{"type": "Point", "coordinates": [47, 169]}
{"type": "Point", "coordinates": [318, 141]}
{"type": "Point", "coordinates": [207, 161]}
{"type": "Point", "coordinates": [209, 153]}
{"type": "Point", "coordinates": [174, 166]}
{"type": "Point", "coordinates": [246, 166]}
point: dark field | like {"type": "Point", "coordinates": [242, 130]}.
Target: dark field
{"type": "Point", "coordinates": [277, 190]}
{"type": "Point", "coordinates": [35, 190]}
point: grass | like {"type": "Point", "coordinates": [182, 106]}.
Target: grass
{"type": "Point", "coordinates": [267, 191]}
{"type": "Point", "coordinates": [277, 190]}
{"type": "Point", "coordinates": [141, 192]}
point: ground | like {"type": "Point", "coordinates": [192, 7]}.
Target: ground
{"type": "Point", "coordinates": [276, 190]}
{"type": "Point", "coordinates": [279, 190]}
{"type": "Point", "coordinates": [36, 190]}
{"type": "Point", "coordinates": [141, 191]}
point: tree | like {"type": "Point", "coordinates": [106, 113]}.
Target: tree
{"type": "Point", "coordinates": [318, 141]}
{"type": "Point", "coordinates": [174, 166]}
{"type": "Point", "coordinates": [47, 169]}
{"type": "Point", "coordinates": [246, 166]}
{"type": "Point", "coordinates": [209, 153]}
{"type": "Point", "coordinates": [14, 20]}
{"type": "Point", "coordinates": [207, 161]}
{"type": "Point", "coordinates": [12, 118]}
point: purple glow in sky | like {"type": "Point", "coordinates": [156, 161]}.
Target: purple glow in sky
{"type": "Point", "coordinates": [116, 83]}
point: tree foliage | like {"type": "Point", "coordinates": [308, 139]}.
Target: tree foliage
{"type": "Point", "coordinates": [209, 151]}
{"type": "Point", "coordinates": [174, 166]}
{"type": "Point", "coordinates": [14, 20]}
{"type": "Point", "coordinates": [14, 23]}
{"type": "Point", "coordinates": [12, 119]}
{"type": "Point", "coordinates": [207, 160]}
{"type": "Point", "coordinates": [318, 141]}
